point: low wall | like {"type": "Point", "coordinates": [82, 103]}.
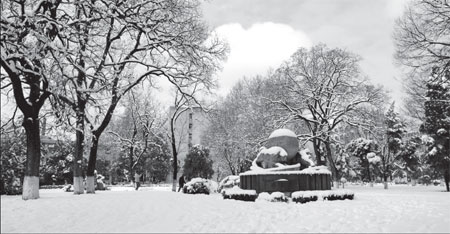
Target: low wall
{"type": "Point", "coordinates": [285, 181]}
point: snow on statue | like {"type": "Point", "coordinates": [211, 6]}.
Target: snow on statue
{"type": "Point", "coordinates": [280, 150]}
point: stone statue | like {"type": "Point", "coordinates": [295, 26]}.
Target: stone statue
{"type": "Point", "coordinates": [281, 149]}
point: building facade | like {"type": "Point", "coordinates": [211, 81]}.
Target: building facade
{"type": "Point", "coordinates": [189, 128]}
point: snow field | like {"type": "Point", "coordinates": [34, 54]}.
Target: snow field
{"type": "Point", "coordinates": [419, 209]}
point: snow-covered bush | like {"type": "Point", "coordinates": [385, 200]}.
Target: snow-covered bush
{"type": "Point", "coordinates": [228, 182]}
{"type": "Point", "coordinates": [330, 195]}
{"type": "Point", "coordinates": [68, 188]}
{"type": "Point", "coordinates": [198, 185]}
{"type": "Point", "coordinates": [304, 196]}
{"type": "Point", "coordinates": [273, 197]}
{"type": "Point", "coordinates": [279, 197]}
{"type": "Point", "coordinates": [237, 193]}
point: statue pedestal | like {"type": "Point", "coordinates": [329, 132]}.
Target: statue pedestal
{"type": "Point", "coordinates": [286, 181]}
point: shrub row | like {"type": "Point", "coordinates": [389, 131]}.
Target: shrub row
{"type": "Point", "coordinates": [330, 195]}
{"type": "Point", "coordinates": [237, 193]}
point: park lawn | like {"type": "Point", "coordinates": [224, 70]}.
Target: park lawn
{"type": "Point", "coordinates": [402, 208]}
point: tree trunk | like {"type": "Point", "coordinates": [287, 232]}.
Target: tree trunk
{"type": "Point", "coordinates": [90, 180]}
{"type": "Point", "coordinates": [131, 157]}
{"type": "Point", "coordinates": [316, 144]}
{"type": "Point", "coordinates": [447, 178]}
{"type": "Point", "coordinates": [174, 154]}
{"type": "Point", "coordinates": [368, 173]}
{"type": "Point", "coordinates": [78, 187]}
{"type": "Point", "coordinates": [175, 167]}
{"type": "Point", "coordinates": [385, 176]}
{"type": "Point", "coordinates": [334, 175]}
{"type": "Point", "coordinates": [30, 188]}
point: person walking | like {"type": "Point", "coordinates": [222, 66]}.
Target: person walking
{"type": "Point", "coordinates": [181, 183]}
{"type": "Point", "coordinates": [137, 180]}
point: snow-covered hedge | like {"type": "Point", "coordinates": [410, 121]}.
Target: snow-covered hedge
{"type": "Point", "coordinates": [200, 185]}
{"type": "Point", "coordinates": [228, 182]}
{"type": "Point", "coordinates": [237, 193]}
{"type": "Point", "coordinates": [273, 197]}
{"type": "Point", "coordinates": [331, 195]}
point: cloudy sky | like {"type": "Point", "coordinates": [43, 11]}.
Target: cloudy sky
{"type": "Point", "coordinates": [263, 33]}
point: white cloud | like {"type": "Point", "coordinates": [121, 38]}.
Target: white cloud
{"type": "Point", "coordinates": [256, 49]}
{"type": "Point", "coordinates": [395, 8]}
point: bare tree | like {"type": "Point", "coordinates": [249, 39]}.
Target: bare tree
{"type": "Point", "coordinates": [107, 48]}
{"type": "Point", "coordinates": [182, 103]}
{"type": "Point", "coordinates": [422, 35]}
{"type": "Point", "coordinates": [422, 40]}
{"type": "Point", "coordinates": [240, 124]}
{"type": "Point", "coordinates": [135, 130]}
{"type": "Point", "coordinates": [28, 30]}
{"type": "Point", "coordinates": [323, 88]}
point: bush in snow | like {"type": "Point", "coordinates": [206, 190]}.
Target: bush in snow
{"type": "Point", "coordinates": [197, 186]}
{"type": "Point", "coordinates": [237, 193]}
{"type": "Point", "coordinates": [304, 196]}
{"type": "Point", "coordinates": [68, 188]}
{"type": "Point", "coordinates": [330, 195]}
{"type": "Point", "coordinates": [228, 182]}
{"type": "Point", "coordinates": [13, 155]}
{"type": "Point", "coordinates": [273, 197]}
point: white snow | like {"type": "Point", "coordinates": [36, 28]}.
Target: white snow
{"type": "Point", "coordinates": [282, 132]}
{"type": "Point", "coordinates": [236, 190]}
{"type": "Point", "coordinates": [401, 208]}
{"type": "Point", "coordinates": [441, 131]}
{"type": "Point", "coordinates": [276, 170]}
{"type": "Point", "coordinates": [274, 150]}
{"type": "Point", "coordinates": [433, 151]}
{"type": "Point", "coordinates": [306, 155]}
{"type": "Point", "coordinates": [316, 170]}
{"type": "Point", "coordinates": [373, 158]}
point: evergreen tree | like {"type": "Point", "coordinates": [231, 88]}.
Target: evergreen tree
{"type": "Point", "coordinates": [364, 150]}
{"type": "Point", "coordinates": [437, 122]}
{"type": "Point", "coordinates": [198, 163]}
{"type": "Point", "coordinates": [394, 131]}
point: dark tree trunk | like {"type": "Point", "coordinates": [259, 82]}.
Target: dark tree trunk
{"type": "Point", "coordinates": [316, 146]}
{"type": "Point", "coordinates": [334, 175]}
{"type": "Point", "coordinates": [447, 178]}
{"type": "Point", "coordinates": [175, 160]}
{"type": "Point", "coordinates": [131, 156]}
{"type": "Point", "coordinates": [94, 147]}
{"type": "Point", "coordinates": [78, 186]}
{"type": "Point", "coordinates": [31, 180]}
{"type": "Point", "coordinates": [90, 173]}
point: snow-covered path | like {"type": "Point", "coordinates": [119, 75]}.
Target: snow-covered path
{"type": "Point", "coordinates": [417, 209]}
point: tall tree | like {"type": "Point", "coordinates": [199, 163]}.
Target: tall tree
{"type": "Point", "coordinates": [241, 122]}
{"type": "Point", "coordinates": [323, 88]}
{"type": "Point", "coordinates": [28, 30]}
{"type": "Point", "coordinates": [137, 129]}
{"type": "Point", "coordinates": [182, 104]}
{"type": "Point", "coordinates": [422, 38]}
{"type": "Point", "coordinates": [394, 131]}
{"type": "Point", "coordinates": [110, 47]}
{"type": "Point", "coordinates": [437, 123]}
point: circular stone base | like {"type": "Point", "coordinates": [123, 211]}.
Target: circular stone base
{"type": "Point", "coordinates": [284, 181]}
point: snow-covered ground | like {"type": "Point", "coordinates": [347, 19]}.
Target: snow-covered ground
{"type": "Point", "coordinates": [402, 208]}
